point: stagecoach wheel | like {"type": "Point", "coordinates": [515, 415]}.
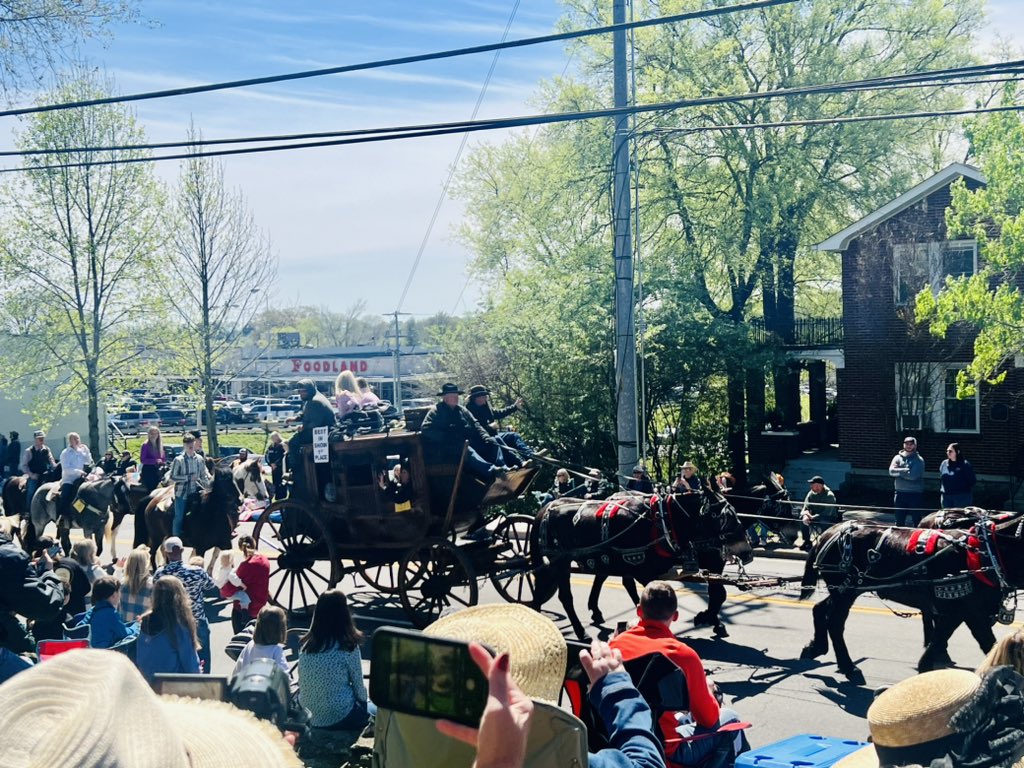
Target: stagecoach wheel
{"type": "Point", "coordinates": [383, 576]}
{"type": "Point", "coordinates": [306, 563]}
{"type": "Point", "coordinates": [433, 577]}
{"type": "Point", "coordinates": [512, 574]}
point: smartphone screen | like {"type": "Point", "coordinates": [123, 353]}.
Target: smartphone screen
{"type": "Point", "coordinates": [426, 676]}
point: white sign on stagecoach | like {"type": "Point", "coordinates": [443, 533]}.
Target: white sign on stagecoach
{"type": "Point", "coordinates": [320, 453]}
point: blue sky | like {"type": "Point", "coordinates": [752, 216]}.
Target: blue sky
{"type": "Point", "coordinates": [347, 221]}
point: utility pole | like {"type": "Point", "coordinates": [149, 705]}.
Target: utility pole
{"type": "Point", "coordinates": [396, 361]}
{"type": "Point", "coordinates": [625, 331]}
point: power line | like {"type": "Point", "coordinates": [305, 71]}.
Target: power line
{"type": "Point", "coordinates": [413, 59]}
{"type": "Point", "coordinates": [455, 164]}
{"type": "Point", "coordinates": [950, 77]}
{"type": "Point", "coordinates": [443, 129]}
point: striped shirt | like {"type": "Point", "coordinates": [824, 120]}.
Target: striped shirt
{"type": "Point", "coordinates": [196, 581]}
{"type": "Point", "coordinates": [189, 474]}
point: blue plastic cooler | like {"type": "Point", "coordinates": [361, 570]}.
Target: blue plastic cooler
{"type": "Point", "coordinates": [805, 751]}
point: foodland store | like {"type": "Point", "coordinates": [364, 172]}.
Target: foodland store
{"type": "Point", "coordinates": [275, 372]}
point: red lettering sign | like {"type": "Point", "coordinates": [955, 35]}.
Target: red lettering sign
{"type": "Point", "coordinates": [296, 365]}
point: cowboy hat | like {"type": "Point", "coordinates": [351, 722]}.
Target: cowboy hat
{"type": "Point", "coordinates": [478, 389]}
{"type": "Point", "coordinates": [910, 722]}
{"type": "Point", "coordinates": [688, 465]}
{"type": "Point", "coordinates": [449, 389]}
{"type": "Point", "coordinates": [537, 650]}
{"type": "Point", "coordinates": [113, 718]}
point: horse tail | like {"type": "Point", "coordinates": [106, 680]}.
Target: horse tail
{"type": "Point", "coordinates": [810, 579]}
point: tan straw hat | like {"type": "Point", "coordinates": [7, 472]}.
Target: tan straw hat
{"type": "Point", "coordinates": [93, 708]}
{"type": "Point", "coordinates": [536, 649]}
{"type": "Point", "coordinates": [910, 722]}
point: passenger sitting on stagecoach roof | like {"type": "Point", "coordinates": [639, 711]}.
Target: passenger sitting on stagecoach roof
{"type": "Point", "coordinates": [447, 425]}
{"type": "Point", "coordinates": [316, 412]}
{"type": "Point", "coordinates": [370, 399]}
{"type": "Point", "coordinates": [348, 396]}
{"type": "Point", "coordinates": [820, 506]}
{"type": "Point", "coordinates": [658, 610]}
{"type": "Point", "coordinates": [478, 403]}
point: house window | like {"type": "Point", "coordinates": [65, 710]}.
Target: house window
{"type": "Point", "coordinates": [926, 399]}
{"type": "Point", "coordinates": [916, 265]}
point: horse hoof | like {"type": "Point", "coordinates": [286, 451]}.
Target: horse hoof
{"type": "Point", "coordinates": [597, 617]}
{"type": "Point", "coordinates": [721, 631]}
{"type": "Point", "coordinates": [703, 619]}
{"type": "Point", "coordinates": [812, 652]}
{"type": "Point", "coordinates": [853, 675]}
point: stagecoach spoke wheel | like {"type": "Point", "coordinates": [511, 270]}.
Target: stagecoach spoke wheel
{"type": "Point", "coordinates": [303, 558]}
{"type": "Point", "coordinates": [512, 574]}
{"type": "Point", "coordinates": [434, 577]}
{"type": "Point", "coordinates": [383, 576]}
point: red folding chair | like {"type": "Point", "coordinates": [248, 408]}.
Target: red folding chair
{"type": "Point", "coordinates": [47, 649]}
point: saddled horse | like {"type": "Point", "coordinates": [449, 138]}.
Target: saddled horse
{"type": "Point", "coordinates": [132, 503]}
{"type": "Point", "coordinates": [90, 511]}
{"type": "Point", "coordinates": [953, 575]}
{"type": "Point", "coordinates": [210, 520]}
{"type": "Point", "coordinates": [637, 537]}
{"type": "Point", "coordinates": [14, 499]}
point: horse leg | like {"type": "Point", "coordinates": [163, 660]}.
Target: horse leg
{"type": "Point", "coordinates": [836, 627]}
{"type": "Point", "coordinates": [935, 652]}
{"type": "Point", "coordinates": [940, 654]}
{"type": "Point", "coordinates": [714, 563]}
{"type": "Point", "coordinates": [565, 597]}
{"type": "Point", "coordinates": [629, 584]}
{"type": "Point", "coordinates": [595, 593]}
{"type": "Point", "coordinates": [819, 644]}
{"type": "Point", "coordinates": [981, 628]}
{"type": "Point", "coordinates": [64, 534]}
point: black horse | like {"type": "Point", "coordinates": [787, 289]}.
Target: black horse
{"type": "Point", "coordinates": [637, 537]}
{"type": "Point", "coordinates": [768, 504]}
{"type": "Point", "coordinates": [953, 575]}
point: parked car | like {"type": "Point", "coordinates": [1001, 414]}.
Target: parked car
{"type": "Point", "coordinates": [170, 417]}
{"type": "Point", "coordinates": [136, 421]}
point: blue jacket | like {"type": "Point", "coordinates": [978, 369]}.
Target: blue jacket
{"type": "Point", "coordinates": [107, 629]}
{"type": "Point", "coordinates": [629, 723]}
{"type": "Point", "coordinates": [956, 477]}
{"type": "Point", "coordinates": [154, 653]}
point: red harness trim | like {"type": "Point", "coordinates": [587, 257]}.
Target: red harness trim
{"type": "Point", "coordinates": [923, 541]}
{"type": "Point", "coordinates": [610, 508]}
{"type": "Point", "coordinates": [975, 551]}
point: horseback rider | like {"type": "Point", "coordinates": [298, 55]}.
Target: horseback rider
{"type": "Point", "coordinates": [478, 403]}
{"type": "Point", "coordinates": [37, 461]}
{"type": "Point", "coordinates": [74, 461]}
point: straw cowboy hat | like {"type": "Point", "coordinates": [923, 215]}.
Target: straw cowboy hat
{"type": "Point", "coordinates": [910, 722]}
{"type": "Point", "coordinates": [536, 649]}
{"type": "Point", "coordinates": [93, 708]}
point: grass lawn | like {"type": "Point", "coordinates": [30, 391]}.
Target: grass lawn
{"type": "Point", "coordinates": [255, 441]}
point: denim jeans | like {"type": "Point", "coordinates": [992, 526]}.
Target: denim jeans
{"type": "Point", "coordinates": [908, 510]}
{"type": "Point", "coordinates": [31, 486]}
{"type": "Point", "coordinates": [180, 502]}
{"type": "Point", "coordinates": [203, 636]}
{"type": "Point", "coordinates": [692, 752]}
{"type": "Point", "coordinates": [513, 440]}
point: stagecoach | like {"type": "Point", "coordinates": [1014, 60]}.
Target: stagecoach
{"type": "Point", "coordinates": [339, 521]}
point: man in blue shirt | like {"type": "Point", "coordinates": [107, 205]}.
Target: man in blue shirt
{"type": "Point", "coordinates": [197, 582]}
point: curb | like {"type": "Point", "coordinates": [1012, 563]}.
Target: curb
{"type": "Point", "coordinates": [780, 553]}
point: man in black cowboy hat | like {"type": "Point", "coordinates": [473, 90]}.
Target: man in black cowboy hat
{"type": "Point", "coordinates": [478, 403]}
{"type": "Point", "coordinates": [447, 425]}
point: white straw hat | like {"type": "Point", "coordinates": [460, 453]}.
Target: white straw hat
{"type": "Point", "coordinates": [536, 649]}
{"type": "Point", "coordinates": [93, 708]}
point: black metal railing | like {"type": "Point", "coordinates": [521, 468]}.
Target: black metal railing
{"type": "Point", "coordinates": [808, 333]}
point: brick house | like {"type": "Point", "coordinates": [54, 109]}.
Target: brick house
{"type": "Point", "coordinates": [896, 378]}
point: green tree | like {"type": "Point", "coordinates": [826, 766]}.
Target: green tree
{"type": "Point", "coordinates": [78, 260]}
{"type": "Point", "coordinates": [988, 302]}
{"type": "Point", "coordinates": [37, 36]}
{"type": "Point", "coordinates": [222, 267]}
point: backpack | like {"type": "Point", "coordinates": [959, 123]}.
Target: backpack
{"type": "Point", "coordinates": [557, 740]}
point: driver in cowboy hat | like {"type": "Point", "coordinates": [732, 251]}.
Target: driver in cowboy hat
{"type": "Point", "coordinates": [447, 425]}
{"type": "Point", "coordinates": [478, 403]}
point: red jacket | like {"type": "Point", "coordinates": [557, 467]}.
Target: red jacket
{"type": "Point", "coordinates": [655, 637]}
{"type": "Point", "coordinates": [255, 574]}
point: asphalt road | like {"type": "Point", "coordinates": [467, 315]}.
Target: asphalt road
{"type": "Point", "coordinates": [757, 666]}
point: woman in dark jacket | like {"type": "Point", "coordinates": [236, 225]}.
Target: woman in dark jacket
{"type": "Point", "coordinates": [956, 478]}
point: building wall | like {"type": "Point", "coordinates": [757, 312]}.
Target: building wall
{"type": "Point", "coordinates": [876, 337]}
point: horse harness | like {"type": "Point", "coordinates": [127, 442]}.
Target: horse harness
{"type": "Point", "coordinates": [982, 556]}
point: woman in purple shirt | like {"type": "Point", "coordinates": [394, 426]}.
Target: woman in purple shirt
{"type": "Point", "coordinates": [153, 459]}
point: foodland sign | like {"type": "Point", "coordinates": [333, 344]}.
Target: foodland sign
{"type": "Point", "coordinates": [329, 366]}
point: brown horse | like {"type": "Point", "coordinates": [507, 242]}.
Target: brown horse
{"type": "Point", "coordinates": [637, 537]}
{"type": "Point", "coordinates": [210, 519]}
{"type": "Point", "coordinates": [953, 575]}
